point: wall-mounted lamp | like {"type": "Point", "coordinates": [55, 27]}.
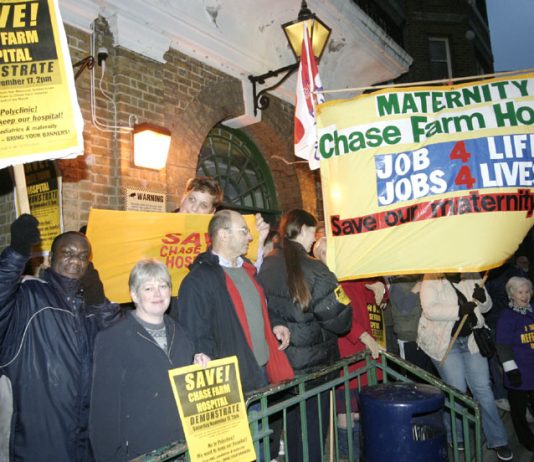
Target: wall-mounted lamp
{"type": "Point", "coordinates": [151, 146]}
{"type": "Point", "coordinates": [294, 31]}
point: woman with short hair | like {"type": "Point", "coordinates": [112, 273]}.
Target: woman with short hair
{"type": "Point", "coordinates": [133, 410]}
{"type": "Point", "coordinates": [515, 342]}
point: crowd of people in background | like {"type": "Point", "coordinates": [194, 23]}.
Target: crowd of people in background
{"type": "Point", "coordinates": [84, 379]}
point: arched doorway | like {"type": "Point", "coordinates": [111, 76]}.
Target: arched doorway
{"type": "Point", "coordinates": [232, 158]}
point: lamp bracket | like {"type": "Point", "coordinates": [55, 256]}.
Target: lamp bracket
{"type": "Point", "coordinates": [261, 99]}
{"type": "Point", "coordinates": [87, 62]}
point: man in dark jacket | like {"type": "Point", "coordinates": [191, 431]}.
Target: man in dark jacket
{"type": "Point", "coordinates": [223, 308]}
{"type": "Point", "coordinates": [47, 331]}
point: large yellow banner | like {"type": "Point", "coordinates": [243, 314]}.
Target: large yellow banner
{"type": "Point", "coordinates": [120, 239]}
{"type": "Point", "coordinates": [428, 179]}
{"type": "Point", "coordinates": [39, 116]}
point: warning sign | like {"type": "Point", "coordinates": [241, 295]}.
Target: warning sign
{"type": "Point", "coordinates": [141, 200]}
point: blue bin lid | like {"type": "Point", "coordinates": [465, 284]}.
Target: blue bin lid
{"type": "Point", "coordinates": [403, 393]}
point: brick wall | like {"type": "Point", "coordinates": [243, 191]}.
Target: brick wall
{"type": "Point", "coordinates": [438, 18]}
{"type": "Point", "coordinates": [182, 94]}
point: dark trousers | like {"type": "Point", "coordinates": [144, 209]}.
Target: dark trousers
{"type": "Point", "coordinates": [316, 434]}
{"type": "Point", "coordinates": [418, 357]}
{"type": "Point", "coordinates": [519, 400]}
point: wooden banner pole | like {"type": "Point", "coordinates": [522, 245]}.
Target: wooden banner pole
{"type": "Point", "coordinates": [20, 186]}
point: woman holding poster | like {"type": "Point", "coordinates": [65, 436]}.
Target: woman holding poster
{"type": "Point", "coordinates": [132, 405]}
{"type": "Point", "coordinates": [304, 295]}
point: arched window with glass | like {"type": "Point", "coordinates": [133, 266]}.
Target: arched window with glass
{"type": "Point", "coordinates": [235, 162]}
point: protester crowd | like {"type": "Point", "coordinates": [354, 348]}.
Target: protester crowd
{"type": "Point", "coordinates": [84, 379]}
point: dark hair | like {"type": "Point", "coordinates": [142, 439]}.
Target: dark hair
{"type": "Point", "coordinates": [206, 184]}
{"type": "Point", "coordinates": [60, 237]}
{"type": "Point", "coordinates": [290, 226]}
{"type": "Point", "coordinates": [273, 236]}
{"type": "Point", "coordinates": [219, 220]}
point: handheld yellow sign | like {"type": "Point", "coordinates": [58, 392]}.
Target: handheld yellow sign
{"type": "Point", "coordinates": [211, 407]}
{"type": "Point", "coordinates": [40, 117]}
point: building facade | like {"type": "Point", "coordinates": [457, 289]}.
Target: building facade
{"type": "Point", "coordinates": [185, 66]}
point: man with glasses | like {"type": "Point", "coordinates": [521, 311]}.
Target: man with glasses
{"type": "Point", "coordinates": [222, 306]}
{"type": "Point", "coordinates": [47, 331]}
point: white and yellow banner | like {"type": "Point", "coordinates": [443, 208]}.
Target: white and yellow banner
{"type": "Point", "coordinates": [428, 179]}
{"type": "Point", "coordinates": [39, 116]}
{"type": "Point", "coordinates": [120, 239]}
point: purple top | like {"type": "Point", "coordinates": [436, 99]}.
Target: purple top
{"type": "Point", "coordinates": [517, 330]}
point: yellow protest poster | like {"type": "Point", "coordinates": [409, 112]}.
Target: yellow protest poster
{"type": "Point", "coordinates": [211, 407]}
{"type": "Point", "coordinates": [120, 239]}
{"type": "Point", "coordinates": [428, 179]}
{"type": "Point", "coordinates": [39, 116]}
{"type": "Point", "coordinates": [44, 196]}
{"type": "Point", "coordinates": [377, 323]}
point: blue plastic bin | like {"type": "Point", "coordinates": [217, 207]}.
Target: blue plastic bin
{"type": "Point", "coordinates": [402, 422]}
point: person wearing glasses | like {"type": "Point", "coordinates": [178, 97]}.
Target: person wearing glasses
{"type": "Point", "coordinates": [223, 308]}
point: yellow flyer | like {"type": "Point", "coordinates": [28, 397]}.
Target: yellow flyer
{"type": "Point", "coordinates": [39, 113]}
{"type": "Point", "coordinates": [44, 195]}
{"type": "Point", "coordinates": [213, 413]}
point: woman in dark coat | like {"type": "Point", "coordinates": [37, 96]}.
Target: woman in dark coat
{"type": "Point", "coordinates": [304, 295]}
{"type": "Point", "coordinates": [132, 406]}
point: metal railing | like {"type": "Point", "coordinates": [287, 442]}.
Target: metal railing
{"type": "Point", "coordinates": [277, 399]}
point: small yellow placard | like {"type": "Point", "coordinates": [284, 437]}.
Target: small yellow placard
{"type": "Point", "coordinates": [341, 296]}
{"type": "Point", "coordinates": [211, 406]}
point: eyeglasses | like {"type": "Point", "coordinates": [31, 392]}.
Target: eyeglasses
{"type": "Point", "coordinates": [244, 230]}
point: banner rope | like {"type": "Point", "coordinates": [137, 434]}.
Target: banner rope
{"type": "Point", "coordinates": [429, 82]}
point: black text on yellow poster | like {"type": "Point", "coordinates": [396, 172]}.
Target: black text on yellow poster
{"type": "Point", "coordinates": [376, 319]}
{"type": "Point", "coordinates": [212, 409]}
{"type": "Point", "coordinates": [39, 117]}
{"type": "Point", "coordinates": [44, 195]}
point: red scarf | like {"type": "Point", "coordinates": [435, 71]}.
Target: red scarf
{"type": "Point", "coordinates": [277, 367]}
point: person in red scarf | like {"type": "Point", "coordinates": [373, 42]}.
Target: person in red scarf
{"type": "Point", "coordinates": [223, 307]}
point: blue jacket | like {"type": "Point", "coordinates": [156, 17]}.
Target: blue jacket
{"type": "Point", "coordinates": [46, 346]}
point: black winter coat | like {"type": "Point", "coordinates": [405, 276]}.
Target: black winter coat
{"type": "Point", "coordinates": [313, 333]}
{"type": "Point", "coordinates": [206, 311]}
{"type": "Point", "coordinates": [46, 347]}
{"type": "Point", "coordinates": [133, 410]}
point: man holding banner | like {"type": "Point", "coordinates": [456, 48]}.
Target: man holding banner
{"type": "Point", "coordinates": [47, 331]}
